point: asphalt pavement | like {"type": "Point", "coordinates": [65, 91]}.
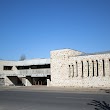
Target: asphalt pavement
{"type": "Point", "coordinates": [43, 98]}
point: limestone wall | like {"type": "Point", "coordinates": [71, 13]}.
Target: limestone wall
{"type": "Point", "coordinates": [68, 68]}
{"type": "Point", "coordinates": [59, 60]}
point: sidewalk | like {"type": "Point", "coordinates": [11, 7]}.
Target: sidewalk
{"type": "Point", "coordinates": [66, 89]}
{"type": "Point", "coordinates": [56, 89]}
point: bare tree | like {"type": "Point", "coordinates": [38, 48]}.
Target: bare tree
{"type": "Point", "coordinates": [23, 57]}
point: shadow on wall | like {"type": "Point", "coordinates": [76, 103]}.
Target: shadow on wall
{"type": "Point", "coordinates": [15, 81]}
{"type": "Point", "coordinates": [99, 105]}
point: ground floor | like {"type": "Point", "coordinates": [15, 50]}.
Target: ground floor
{"type": "Point", "coordinates": [24, 81]}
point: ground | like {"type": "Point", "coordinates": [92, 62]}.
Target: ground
{"type": "Point", "coordinates": [44, 98]}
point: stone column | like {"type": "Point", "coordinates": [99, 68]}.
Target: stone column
{"type": "Point", "coordinates": [75, 75]}
{"type": "Point", "coordinates": [69, 71]}
{"type": "Point", "coordinates": [100, 68]}
{"type": "Point", "coordinates": [85, 68]}
{"type": "Point", "coordinates": [90, 68]}
{"type": "Point", "coordinates": [107, 72]}
{"type": "Point", "coordinates": [26, 81]}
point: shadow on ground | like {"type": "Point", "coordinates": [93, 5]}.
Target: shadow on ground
{"type": "Point", "coordinates": [99, 105]}
{"type": "Point", "coordinates": [105, 90]}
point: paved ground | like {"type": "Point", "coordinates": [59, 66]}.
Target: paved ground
{"type": "Point", "coordinates": [55, 89]}
{"type": "Point", "coordinates": [43, 98]}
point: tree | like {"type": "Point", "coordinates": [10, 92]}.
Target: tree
{"type": "Point", "coordinates": [23, 57]}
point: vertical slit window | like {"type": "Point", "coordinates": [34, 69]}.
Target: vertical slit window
{"type": "Point", "coordinates": [97, 67]}
{"type": "Point", "coordinates": [82, 67]}
{"type": "Point", "coordinates": [103, 65]}
{"type": "Point", "coordinates": [109, 66]}
{"type": "Point", "coordinates": [88, 67]}
{"type": "Point", "coordinates": [73, 70]}
{"type": "Point", "coordinates": [69, 71]}
{"type": "Point", "coordinates": [93, 67]}
{"type": "Point", "coordinates": [76, 69]}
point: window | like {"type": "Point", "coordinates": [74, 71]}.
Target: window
{"type": "Point", "coordinates": [76, 69]}
{"type": "Point", "coordinates": [22, 67]}
{"type": "Point", "coordinates": [73, 70]}
{"type": "Point", "coordinates": [7, 67]}
{"type": "Point", "coordinates": [69, 71]}
{"type": "Point", "coordinates": [43, 66]}
{"type": "Point", "coordinates": [88, 67]}
{"type": "Point", "coordinates": [93, 67]}
{"type": "Point", "coordinates": [33, 67]}
{"type": "Point", "coordinates": [97, 67]}
{"type": "Point", "coordinates": [103, 66]}
{"type": "Point", "coordinates": [82, 68]}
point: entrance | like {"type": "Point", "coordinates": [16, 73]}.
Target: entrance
{"type": "Point", "coordinates": [39, 80]}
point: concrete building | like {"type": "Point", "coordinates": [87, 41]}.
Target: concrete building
{"type": "Point", "coordinates": [66, 67]}
{"type": "Point", "coordinates": [27, 72]}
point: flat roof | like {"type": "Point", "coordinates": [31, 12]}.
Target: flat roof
{"type": "Point", "coordinates": [96, 53]}
{"type": "Point", "coordinates": [33, 62]}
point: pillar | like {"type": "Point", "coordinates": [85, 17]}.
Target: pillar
{"type": "Point", "coordinates": [48, 82]}
{"type": "Point", "coordinates": [85, 69]}
{"type": "Point", "coordinates": [107, 74]}
{"type": "Point", "coordinates": [90, 68]}
{"type": "Point", "coordinates": [100, 68]}
{"type": "Point", "coordinates": [26, 81]}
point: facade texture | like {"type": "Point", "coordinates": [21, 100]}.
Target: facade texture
{"type": "Point", "coordinates": [76, 69]}
{"type": "Point", "coordinates": [66, 67]}
{"type": "Point", "coordinates": [26, 73]}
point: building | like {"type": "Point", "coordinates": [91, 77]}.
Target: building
{"type": "Point", "coordinates": [26, 73]}
{"type": "Point", "coordinates": [78, 69]}
{"type": "Point", "coordinates": [66, 67]}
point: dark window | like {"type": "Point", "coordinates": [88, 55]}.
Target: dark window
{"type": "Point", "coordinates": [73, 70]}
{"type": "Point", "coordinates": [22, 67]}
{"type": "Point", "coordinates": [43, 66]}
{"type": "Point", "coordinates": [93, 67]}
{"type": "Point", "coordinates": [49, 77]}
{"type": "Point", "coordinates": [103, 65]}
{"type": "Point", "coordinates": [97, 67]}
{"type": "Point", "coordinates": [82, 67]}
{"type": "Point", "coordinates": [69, 71]}
{"type": "Point", "coordinates": [88, 67]}
{"type": "Point", "coordinates": [76, 69]}
{"type": "Point", "coordinates": [33, 67]}
{"type": "Point", "coordinates": [7, 67]}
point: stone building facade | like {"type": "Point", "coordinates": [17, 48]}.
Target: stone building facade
{"type": "Point", "coordinates": [77, 69]}
{"type": "Point", "coordinates": [66, 67]}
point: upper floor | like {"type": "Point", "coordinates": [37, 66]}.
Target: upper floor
{"type": "Point", "coordinates": [26, 67]}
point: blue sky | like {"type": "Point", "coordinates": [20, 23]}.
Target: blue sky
{"type": "Point", "coordinates": [35, 27]}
